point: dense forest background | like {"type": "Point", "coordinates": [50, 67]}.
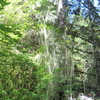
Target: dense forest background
{"type": "Point", "coordinates": [49, 49]}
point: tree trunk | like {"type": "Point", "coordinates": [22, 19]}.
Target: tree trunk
{"type": "Point", "coordinates": [97, 64]}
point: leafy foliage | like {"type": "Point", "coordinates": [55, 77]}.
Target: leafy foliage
{"type": "Point", "coordinates": [45, 55]}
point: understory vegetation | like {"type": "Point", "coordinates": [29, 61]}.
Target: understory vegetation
{"type": "Point", "coordinates": [49, 49]}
